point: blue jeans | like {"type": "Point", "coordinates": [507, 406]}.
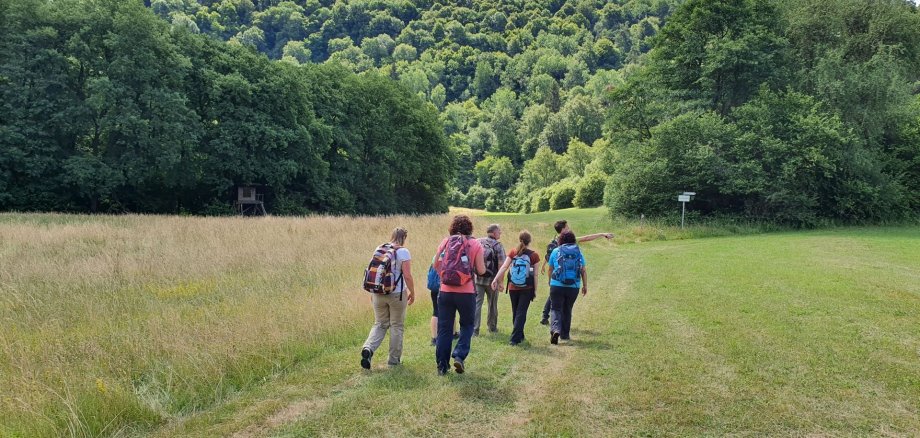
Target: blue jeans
{"type": "Point", "coordinates": [563, 299]}
{"type": "Point", "coordinates": [449, 305]}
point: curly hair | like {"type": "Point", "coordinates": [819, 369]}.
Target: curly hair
{"type": "Point", "coordinates": [461, 225]}
{"type": "Point", "coordinates": [566, 237]}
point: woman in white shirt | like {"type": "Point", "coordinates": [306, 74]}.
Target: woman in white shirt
{"type": "Point", "coordinates": [390, 309]}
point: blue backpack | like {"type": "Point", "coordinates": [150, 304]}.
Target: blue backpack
{"type": "Point", "coordinates": [434, 280]}
{"type": "Point", "coordinates": [568, 264]}
{"type": "Point", "coordinates": [520, 270]}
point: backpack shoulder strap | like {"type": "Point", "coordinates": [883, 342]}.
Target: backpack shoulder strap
{"type": "Point", "coordinates": [485, 244]}
{"type": "Point", "coordinates": [399, 279]}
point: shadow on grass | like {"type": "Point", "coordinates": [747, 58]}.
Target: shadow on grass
{"type": "Point", "coordinates": [584, 332]}
{"type": "Point", "coordinates": [589, 339]}
{"type": "Point", "coordinates": [481, 387]}
{"type": "Point", "coordinates": [590, 344]}
{"type": "Point", "coordinates": [398, 378]}
{"type": "Point", "coordinates": [538, 349]}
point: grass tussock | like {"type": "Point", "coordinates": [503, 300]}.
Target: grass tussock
{"type": "Point", "coordinates": [117, 323]}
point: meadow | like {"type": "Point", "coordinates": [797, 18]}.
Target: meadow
{"type": "Point", "coordinates": [181, 326]}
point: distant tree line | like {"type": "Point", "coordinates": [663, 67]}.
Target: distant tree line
{"type": "Point", "coordinates": [104, 107]}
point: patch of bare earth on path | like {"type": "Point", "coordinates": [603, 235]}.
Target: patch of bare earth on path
{"type": "Point", "coordinates": [294, 411]}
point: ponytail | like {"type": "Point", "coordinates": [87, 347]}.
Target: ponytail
{"type": "Point", "coordinates": [524, 238]}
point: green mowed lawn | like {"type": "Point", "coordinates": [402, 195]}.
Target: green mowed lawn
{"type": "Point", "coordinates": [775, 334]}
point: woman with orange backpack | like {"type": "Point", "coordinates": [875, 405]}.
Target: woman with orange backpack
{"type": "Point", "coordinates": [459, 256]}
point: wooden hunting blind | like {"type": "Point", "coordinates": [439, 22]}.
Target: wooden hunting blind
{"type": "Point", "coordinates": [249, 202]}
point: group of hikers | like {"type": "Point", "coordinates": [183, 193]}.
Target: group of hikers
{"type": "Point", "coordinates": [464, 274]}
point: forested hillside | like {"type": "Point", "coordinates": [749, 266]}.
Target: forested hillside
{"type": "Point", "coordinates": [789, 110]}
{"type": "Point", "coordinates": [513, 80]}
{"type": "Point", "coordinates": [795, 111]}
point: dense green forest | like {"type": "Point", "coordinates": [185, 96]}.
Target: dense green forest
{"type": "Point", "coordinates": [788, 110]}
{"type": "Point", "coordinates": [522, 86]}
{"type": "Point", "coordinates": [105, 107]}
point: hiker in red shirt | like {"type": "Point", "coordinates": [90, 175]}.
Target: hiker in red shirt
{"type": "Point", "coordinates": [459, 257]}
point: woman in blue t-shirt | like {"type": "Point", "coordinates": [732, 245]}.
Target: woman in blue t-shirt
{"type": "Point", "coordinates": [567, 275]}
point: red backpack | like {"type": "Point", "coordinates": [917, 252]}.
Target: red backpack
{"type": "Point", "coordinates": [456, 267]}
{"type": "Point", "coordinates": [378, 277]}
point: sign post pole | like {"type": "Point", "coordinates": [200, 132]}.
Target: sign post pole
{"type": "Point", "coordinates": [684, 199]}
{"type": "Point", "coordinates": [683, 210]}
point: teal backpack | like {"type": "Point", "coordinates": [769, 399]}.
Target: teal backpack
{"type": "Point", "coordinates": [520, 272]}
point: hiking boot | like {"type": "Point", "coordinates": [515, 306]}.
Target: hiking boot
{"type": "Point", "coordinates": [442, 371]}
{"type": "Point", "coordinates": [366, 355]}
{"type": "Point", "coordinates": [554, 338]}
{"type": "Point", "coordinates": [544, 321]}
{"type": "Point", "coordinates": [458, 366]}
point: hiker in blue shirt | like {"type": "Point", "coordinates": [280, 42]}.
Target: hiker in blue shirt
{"type": "Point", "coordinates": [560, 227]}
{"type": "Point", "coordinates": [567, 275]}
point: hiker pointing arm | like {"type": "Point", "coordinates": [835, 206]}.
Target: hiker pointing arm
{"type": "Point", "coordinates": [594, 236]}
{"type": "Point", "coordinates": [582, 239]}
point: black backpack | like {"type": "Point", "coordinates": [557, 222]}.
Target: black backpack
{"type": "Point", "coordinates": [549, 248]}
{"type": "Point", "coordinates": [491, 262]}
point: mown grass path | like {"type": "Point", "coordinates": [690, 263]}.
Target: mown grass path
{"type": "Point", "coordinates": [778, 334]}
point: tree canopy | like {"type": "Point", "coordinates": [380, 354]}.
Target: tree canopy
{"type": "Point", "coordinates": [106, 107]}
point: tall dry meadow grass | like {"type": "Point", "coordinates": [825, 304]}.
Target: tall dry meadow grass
{"type": "Point", "coordinates": [113, 324]}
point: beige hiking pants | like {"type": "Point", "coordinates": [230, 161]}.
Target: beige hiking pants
{"type": "Point", "coordinates": [389, 314]}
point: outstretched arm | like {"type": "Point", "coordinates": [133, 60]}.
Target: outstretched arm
{"type": "Point", "coordinates": [594, 236]}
